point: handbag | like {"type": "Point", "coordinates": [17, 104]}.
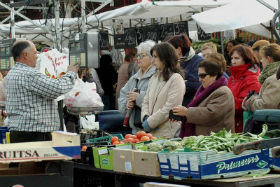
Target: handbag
{"type": "Point", "coordinates": [137, 117]}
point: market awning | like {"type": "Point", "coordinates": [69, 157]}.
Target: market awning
{"type": "Point", "coordinates": [249, 15]}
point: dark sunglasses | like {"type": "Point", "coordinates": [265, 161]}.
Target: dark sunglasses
{"type": "Point", "coordinates": [202, 75]}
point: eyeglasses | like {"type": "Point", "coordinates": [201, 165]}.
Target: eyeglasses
{"type": "Point", "coordinates": [202, 75]}
{"type": "Point", "coordinates": [141, 56]}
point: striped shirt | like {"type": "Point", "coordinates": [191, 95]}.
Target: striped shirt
{"type": "Point", "coordinates": [30, 104]}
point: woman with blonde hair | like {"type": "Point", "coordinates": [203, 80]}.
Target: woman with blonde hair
{"type": "Point", "coordinates": [269, 97]}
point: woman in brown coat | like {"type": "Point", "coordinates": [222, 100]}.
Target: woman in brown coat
{"type": "Point", "coordinates": [212, 108]}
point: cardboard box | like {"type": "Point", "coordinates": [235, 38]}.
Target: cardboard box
{"type": "Point", "coordinates": [156, 184]}
{"type": "Point", "coordinates": [211, 165]}
{"type": "Point", "coordinates": [64, 146]}
{"type": "Point", "coordinates": [274, 162]}
{"type": "Point", "coordinates": [146, 163]}
{"type": "Point", "coordinates": [124, 160]}
{"type": "Point", "coordinates": [103, 158]}
{"type": "Point", "coordinates": [169, 164]}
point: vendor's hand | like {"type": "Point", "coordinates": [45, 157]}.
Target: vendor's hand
{"type": "Point", "coordinates": [130, 104]}
{"type": "Point", "coordinates": [132, 96]}
{"type": "Point", "coordinates": [180, 110]}
{"type": "Point", "coordinates": [73, 67]}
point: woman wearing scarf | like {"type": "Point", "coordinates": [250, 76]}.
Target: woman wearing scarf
{"type": "Point", "coordinates": [244, 78]}
{"type": "Point", "coordinates": [269, 97]}
{"type": "Point", "coordinates": [189, 62]}
{"type": "Point", "coordinates": [212, 108]}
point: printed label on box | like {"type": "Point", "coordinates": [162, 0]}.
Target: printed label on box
{"type": "Point", "coordinates": [128, 166]}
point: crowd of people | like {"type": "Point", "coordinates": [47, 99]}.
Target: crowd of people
{"type": "Point", "coordinates": [165, 88]}
{"type": "Point", "coordinates": [208, 91]}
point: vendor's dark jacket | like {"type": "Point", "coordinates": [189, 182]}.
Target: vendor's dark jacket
{"type": "Point", "coordinates": [190, 68]}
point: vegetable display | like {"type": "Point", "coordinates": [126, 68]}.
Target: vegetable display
{"type": "Point", "coordinates": [221, 141]}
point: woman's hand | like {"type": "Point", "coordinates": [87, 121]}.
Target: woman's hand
{"type": "Point", "coordinates": [180, 110]}
{"type": "Point", "coordinates": [130, 104]}
{"type": "Point", "coordinates": [132, 96]}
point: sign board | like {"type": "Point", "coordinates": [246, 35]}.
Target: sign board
{"type": "Point", "coordinates": [166, 30]}
{"type": "Point", "coordinates": [152, 32]}
{"type": "Point", "coordinates": [140, 35]}
{"type": "Point", "coordinates": [119, 41]}
{"type": "Point", "coordinates": [202, 35]}
{"type": "Point", "coordinates": [181, 28]}
{"type": "Point", "coordinates": [130, 37]}
{"type": "Point", "coordinates": [104, 40]}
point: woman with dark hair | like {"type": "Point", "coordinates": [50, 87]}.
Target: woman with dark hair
{"type": "Point", "coordinates": [230, 44]}
{"type": "Point", "coordinates": [212, 108]}
{"type": "Point", "coordinates": [165, 90]}
{"type": "Point", "coordinates": [244, 78]}
{"type": "Point", "coordinates": [189, 62]}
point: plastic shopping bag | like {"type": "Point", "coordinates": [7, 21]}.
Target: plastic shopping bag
{"type": "Point", "coordinates": [88, 122]}
{"type": "Point", "coordinates": [83, 95]}
{"type": "Point", "coordinates": [53, 63]}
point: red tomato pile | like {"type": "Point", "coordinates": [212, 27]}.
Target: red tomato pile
{"type": "Point", "coordinates": [141, 136]}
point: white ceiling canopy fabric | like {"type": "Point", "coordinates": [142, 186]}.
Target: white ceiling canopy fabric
{"type": "Point", "coordinates": [249, 15]}
{"type": "Point", "coordinates": [143, 10]}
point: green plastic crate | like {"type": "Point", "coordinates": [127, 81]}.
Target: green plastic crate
{"type": "Point", "coordinates": [103, 158]}
{"type": "Point", "coordinates": [105, 139]}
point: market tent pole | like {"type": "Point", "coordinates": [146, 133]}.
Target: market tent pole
{"type": "Point", "coordinates": [13, 32]}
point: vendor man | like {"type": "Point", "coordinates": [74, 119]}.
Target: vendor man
{"type": "Point", "coordinates": [30, 106]}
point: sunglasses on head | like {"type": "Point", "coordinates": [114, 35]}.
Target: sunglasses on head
{"type": "Point", "coordinates": [202, 75]}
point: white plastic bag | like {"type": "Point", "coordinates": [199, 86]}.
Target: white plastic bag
{"type": "Point", "coordinates": [53, 63]}
{"type": "Point", "coordinates": [88, 122]}
{"type": "Point", "coordinates": [83, 95]}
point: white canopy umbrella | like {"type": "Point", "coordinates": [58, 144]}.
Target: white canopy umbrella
{"type": "Point", "coordinates": [143, 10]}
{"type": "Point", "coordinates": [249, 15]}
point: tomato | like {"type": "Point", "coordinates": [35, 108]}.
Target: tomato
{"type": "Point", "coordinates": [130, 140]}
{"type": "Point", "coordinates": [134, 140]}
{"type": "Point", "coordinates": [149, 135]}
{"type": "Point", "coordinates": [128, 136]}
{"type": "Point", "coordinates": [114, 138]}
{"type": "Point", "coordinates": [153, 138]}
{"type": "Point", "coordinates": [84, 148]}
{"type": "Point", "coordinates": [122, 142]}
{"type": "Point", "coordinates": [145, 138]}
{"type": "Point", "coordinates": [116, 142]}
{"type": "Point", "coordinates": [139, 134]}
{"type": "Point", "coordinates": [133, 136]}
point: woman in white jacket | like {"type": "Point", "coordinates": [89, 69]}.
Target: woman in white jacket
{"type": "Point", "coordinates": [166, 89]}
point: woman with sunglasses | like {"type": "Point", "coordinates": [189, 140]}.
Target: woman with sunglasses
{"type": "Point", "coordinates": [212, 108]}
{"type": "Point", "coordinates": [133, 92]}
{"type": "Point", "coordinates": [244, 78]}
{"type": "Point", "coordinates": [166, 89]}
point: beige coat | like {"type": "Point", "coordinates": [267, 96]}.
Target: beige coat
{"type": "Point", "coordinates": [214, 113]}
{"type": "Point", "coordinates": [269, 96]}
{"type": "Point", "coordinates": [161, 97]}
